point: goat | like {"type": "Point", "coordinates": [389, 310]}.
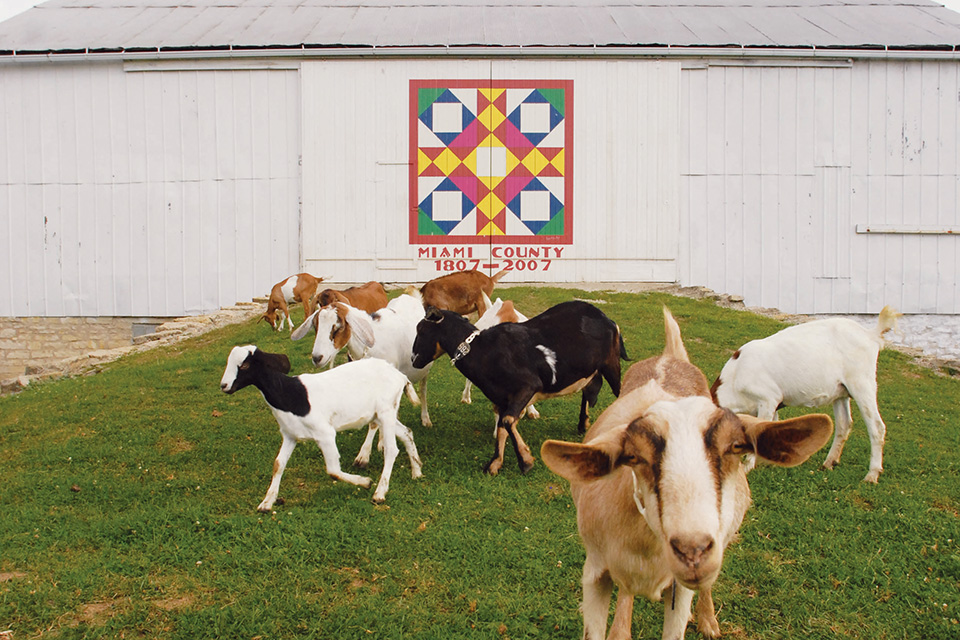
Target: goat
{"type": "Point", "coordinates": [569, 347]}
{"type": "Point", "coordinates": [810, 365]}
{"type": "Point", "coordinates": [496, 313]}
{"type": "Point", "coordinates": [460, 292]}
{"type": "Point", "coordinates": [660, 491]}
{"type": "Point", "coordinates": [387, 334]}
{"type": "Point", "coordinates": [316, 406]}
{"type": "Point", "coordinates": [369, 297]}
{"type": "Point", "coordinates": [298, 288]}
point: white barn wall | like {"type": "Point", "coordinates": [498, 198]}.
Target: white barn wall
{"type": "Point", "coordinates": [782, 163]}
{"type": "Point", "coordinates": [142, 193]}
{"type": "Point", "coordinates": [173, 188]}
{"type": "Point", "coordinates": [626, 154]}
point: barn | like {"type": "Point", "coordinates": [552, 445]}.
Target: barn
{"type": "Point", "coordinates": [167, 158]}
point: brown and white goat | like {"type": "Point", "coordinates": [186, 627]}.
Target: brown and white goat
{"type": "Point", "coordinates": [660, 490]}
{"type": "Point", "coordinates": [460, 292]}
{"type": "Point", "coordinates": [370, 297]}
{"type": "Point", "coordinates": [299, 288]}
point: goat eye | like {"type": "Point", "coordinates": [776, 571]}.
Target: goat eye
{"type": "Point", "coordinates": [630, 460]}
{"type": "Point", "coordinates": [245, 366]}
{"type": "Point", "coordinates": [739, 448]}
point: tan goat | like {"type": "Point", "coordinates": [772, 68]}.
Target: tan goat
{"type": "Point", "coordinates": [460, 292]}
{"type": "Point", "coordinates": [369, 297]}
{"type": "Point", "coordinates": [660, 489]}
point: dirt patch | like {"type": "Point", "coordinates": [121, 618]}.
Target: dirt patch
{"type": "Point", "coordinates": [174, 604]}
{"type": "Point", "coordinates": [95, 614]}
{"type": "Point", "coordinates": [174, 445]}
{"type": "Point", "coordinates": [7, 576]}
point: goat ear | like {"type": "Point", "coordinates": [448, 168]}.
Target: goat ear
{"type": "Point", "coordinates": [433, 315]}
{"type": "Point", "coordinates": [787, 443]}
{"type": "Point", "coordinates": [304, 328]}
{"type": "Point", "coordinates": [359, 324]}
{"type": "Point", "coordinates": [276, 361]}
{"type": "Point", "coordinates": [577, 462]}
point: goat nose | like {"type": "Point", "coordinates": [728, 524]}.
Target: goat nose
{"type": "Point", "coordinates": [691, 549]}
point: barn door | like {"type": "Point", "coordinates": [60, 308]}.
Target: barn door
{"type": "Point", "coordinates": [560, 171]}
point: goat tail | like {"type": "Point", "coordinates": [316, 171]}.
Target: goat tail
{"type": "Point", "coordinates": [888, 321]}
{"type": "Point", "coordinates": [411, 394]}
{"type": "Point", "coordinates": [674, 342]}
{"type": "Point", "coordinates": [499, 274]}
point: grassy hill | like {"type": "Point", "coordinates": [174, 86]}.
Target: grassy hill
{"type": "Point", "coordinates": [128, 510]}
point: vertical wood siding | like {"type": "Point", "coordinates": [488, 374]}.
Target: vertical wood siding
{"type": "Point", "coordinates": [145, 193]}
{"type": "Point", "coordinates": [355, 167]}
{"type": "Point", "coordinates": [780, 164]}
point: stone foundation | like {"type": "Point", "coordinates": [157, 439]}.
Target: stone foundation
{"type": "Point", "coordinates": [30, 345]}
{"type": "Point", "coordinates": [43, 348]}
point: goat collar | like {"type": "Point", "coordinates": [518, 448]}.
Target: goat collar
{"type": "Point", "coordinates": [464, 347]}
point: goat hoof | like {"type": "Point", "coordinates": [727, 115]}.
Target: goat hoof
{"type": "Point", "coordinates": [490, 469]}
{"type": "Point", "coordinates": [873, 476]}
{"type": "Point", "coordinates": [363, 464]}
{"type": "Point", "coordinates": [829, 465]}
{"type": "Point", "coordinates": [708, 626]}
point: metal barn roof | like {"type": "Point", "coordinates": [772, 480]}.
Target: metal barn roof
{"type": "Point", "coordinates": [90, 26]}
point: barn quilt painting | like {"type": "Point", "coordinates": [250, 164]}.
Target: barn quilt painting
{"type": "Point", "coordinates": [491, 161]}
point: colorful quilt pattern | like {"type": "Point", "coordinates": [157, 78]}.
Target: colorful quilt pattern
{"type": "Point", "coordinates": [491, 161]}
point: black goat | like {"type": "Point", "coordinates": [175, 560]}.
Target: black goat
{"type": "Point", "coordinates": [567, 348]}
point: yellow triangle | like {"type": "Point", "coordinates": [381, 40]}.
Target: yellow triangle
{"type": "Point", "coordinates": [558, 162]}
{"type": "Point", "coordinates": [422, 161]}
{"type": "Point", "coordinates": [470, 162]}
{"type": "Point", "coordinates": [447, 161]}
{"type": "Point", "coordinates": [512, 162]}
{"type": "Point", "coordinates": [490, 206]}
{"type": "Point", "coordinates": [491, 118]}
{"type": "Point", "coordinates": [491, 230]}
{"type": "Point", "coordinates": [491, 141]}
{"type": "Point", "coordinates": [535, 162]}
{"type": "Point", "coordinates": [490, 182]}
{"type": "Point", "coordinates": [491, 94]}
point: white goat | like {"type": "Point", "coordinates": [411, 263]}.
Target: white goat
{"type": "Point", "coordinates": [660, 491]}
{"type": "Point", "coordinates": [387, 334]}
{"type": "Point", "coordinates": [810, 365]}
{"type": "Point", "coordinates": [496, 313]}
{"type": "Point", "coordinates": [316, 406]}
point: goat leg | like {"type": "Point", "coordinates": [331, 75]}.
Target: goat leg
{"type": "Point", "coordinates": [588, 399]}
{"type": "Point", "coordinates": [706, 616]}
{"type": "Point", "coordinates": [524, 457]}
{"type": "Point", "coordinates": [493, 467]}
{"type": "Point", "coordinates": [286, 448]}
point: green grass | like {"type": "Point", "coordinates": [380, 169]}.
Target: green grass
{"type": "Point", "coordinates": [128, 511]}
